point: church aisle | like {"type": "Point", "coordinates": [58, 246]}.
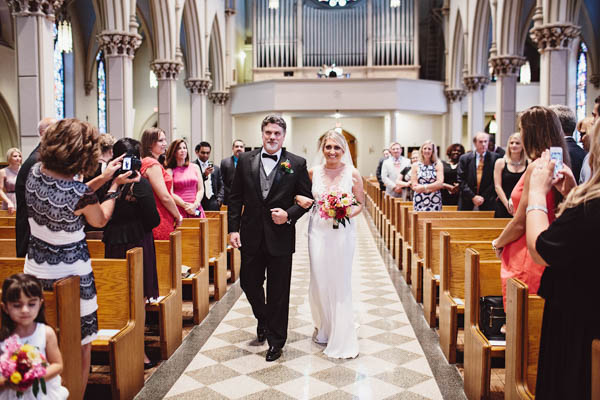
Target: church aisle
{"type": "Point", "coordinates": [391, 363]}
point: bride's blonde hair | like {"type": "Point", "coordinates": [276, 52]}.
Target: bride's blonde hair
{"type": "Point", "coordinates": [591, 189]}
{"type": "Point", "coordinates": [336, 137]}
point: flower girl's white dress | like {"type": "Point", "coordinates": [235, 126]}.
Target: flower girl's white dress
{"type": "Point", "coordinates": [54, 390]}
{"type": "Point", "coordinates": [331, 252]}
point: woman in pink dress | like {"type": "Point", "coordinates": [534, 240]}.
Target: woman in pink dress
{"type": "Point", "coordinates": [540, 129]}
{"type": "Point", "coordinates": [153, 145]}
{"type": "Point", "coordinates": [8, 178]}
{"type": "Point", "coordinates": [188, 185]}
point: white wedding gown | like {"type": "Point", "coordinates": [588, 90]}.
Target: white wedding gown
{"type": "Point", "coordinates": [331, 252]}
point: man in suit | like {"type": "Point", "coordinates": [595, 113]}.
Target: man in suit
{"type": "Point", "coordinates": [211, 175]}
{"type": "Point", "coordinates": [568, 123]}
{"type": "Point", "coordinates": [386, 155]}
{"type": "Point", "coordinates": [392, 168]}
{"type": "Point", "coordinates": [476, 176]}
{"type": "Point", "coordinates": [228, 166]}
{"type": "Point", "coordinates": [265, 185]}
{"type": "Point", "coordinates": [496, 149]}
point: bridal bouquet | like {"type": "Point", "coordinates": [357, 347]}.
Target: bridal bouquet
{"type": "Point", "coordinates": [23, 365]}
{"type": "Point", "coordinates": [336, 206]}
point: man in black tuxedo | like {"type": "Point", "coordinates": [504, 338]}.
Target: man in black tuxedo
{"type": "Point", "coordinates": [211, 176]}
{"type": "Point", "coordinates": [476, 176]}
{"type": "Point", "coordinates": [568, 123]}
{"type": "Point", "coordinates": [228, 166]}
{"type": "Point", "coordinates": [265, 185]}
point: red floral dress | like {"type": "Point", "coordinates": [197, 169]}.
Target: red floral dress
{"type": "Point", "coordinates": [166, 226]}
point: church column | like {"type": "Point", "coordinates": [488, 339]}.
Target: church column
{"type": "Point", "coordinates": [455, 117]}
{"type": "Point", "coordinates": [219, 114]}
{"type": "Point", "coordinates": [35, 49]}
{"type": "Point", "coordinates": [506, 69]}
{"type": "Point", "coordinates": [198, 92]}
{"type": "Point", "coordinates": [119, 49]}
{"type": "Point", "coordinates": [553, 45]}
{"type": "Point", "coordinates": [231, 77]}
{"type": "Point", "coordinates": [476, 97]}
{"type": "Point", "coordinates": [166, 73]}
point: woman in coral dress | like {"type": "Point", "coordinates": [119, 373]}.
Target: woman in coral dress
{"type": "Point", "coordinates": [188, 185]}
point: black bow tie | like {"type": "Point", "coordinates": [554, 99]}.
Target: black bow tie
{"type": "Point", "coordinates": [271, 156]}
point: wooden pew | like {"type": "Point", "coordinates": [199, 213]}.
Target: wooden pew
{"type": "Point", "coordinates": [482, 278]}
{"type": "Point", "coordinates": [524, 313]}
{"type": "Point", "coordinates": [62, 314]}
{"type": "Point", "coordinates": [169, 303]}
{"type": "Point", "coordinates": [120, 321]}
{"type": "Point", "coordinates": [431, 261]}
{"type": "Point", "coordinates": [7, 221]}
{"type": "Point", "coordinates": [234, 257]}
{"type": "Point", "coordinates": [217, 250]}
{"type": "Point", "coordinates": [8, 249]}
{"type": "Point", "coordinates": [452, 287]}
{"type": "Point", "coordinates": [7, 232]}
{"type": "Point", "coordinates": [5, 213]}
{"type": "Point", "coordinates": [596, 369]}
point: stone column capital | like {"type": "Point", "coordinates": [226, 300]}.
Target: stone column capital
{"type": "Point", "coordinates": [506, 64]}
{"type": "Point", "coordinates": [219, 97]}
{"type": "Point", "coordinates": [28, 8]}
{"type": "Point", "coordinates": [453, 95]}
{"type": "Point", "coordinates": [595, 80]}
{"type": "Point", "coordinates": [89, 86]}
{"type": "Point", "coordinates": [198, 85]}
{"type": "Point", "coordinates": [554, 36]}
{"type": "Point", "coordinates": [166, 69]}
{"type": "Point", "coordinates": [116, 43]}
{"type": "Point", "coordinates": [474, 83]}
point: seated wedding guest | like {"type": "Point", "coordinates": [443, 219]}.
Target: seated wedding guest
{"type": "Point", "coordinates": [58, 205]}
{"type": "Point", "coordinates": [391, 172]}
{"type": "Point", "coordinates": [131, 225]}
{"type": "Point", "coordinates": [568, 249]}
{"type": "Point", "coordinates": [540, 129]}
{"type": "Point", "coordinates": [427, 178]}
{"type": "Point", "coordinates": [386, 155]}
{"type": "Point", "coordinates": [8, 179]}
{"type": "Point", "coordinates": [451, 187]}
{"type": "Point", "coordinates": [507, 172]}
{"type": "Point", "coordinates": [153, 145]}
{"type": "Point", "coordinates": [188, 185]}
{"type": "Point", "coordinates": [566, 116]}
{"type": "Point", "coordinates": [214, 190]}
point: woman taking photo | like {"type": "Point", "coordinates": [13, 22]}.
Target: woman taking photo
{"type": "Point", "coordinates": [427, 178]}
{"type": "Point", "coordinates": [451, 186]}
{"type": "Point", "coordinates": [540, 129]}
{"type": "Point", "coordinates": [8, 179]}
{"type": "Point", "coordinates": [188, 185]}
{"type": "Point", "coordinates": [507, 172]}
{"type": "Point", "coordinates": [154, 144]}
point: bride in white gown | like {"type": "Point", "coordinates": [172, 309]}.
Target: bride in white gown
{"type": "Point", "coordinates": [331, 251]}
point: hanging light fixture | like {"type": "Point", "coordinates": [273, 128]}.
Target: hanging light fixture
{"type": "Point", "coordinates": [394, 3]}
{"type": "Point", "coordinates": [525, 73]}
{"type": "Point", "coordinates": [153, 80]}
{"type": "Point", "coordinates": [273, 4]}
{"type": "Point", "coordinates": [65, 38]}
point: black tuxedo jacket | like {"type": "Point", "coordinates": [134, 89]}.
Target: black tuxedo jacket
{"type": "Point", "coordinates": [576, 154]}
{"type": "Point", "coordinates": [255, 224]}
{"type": "Point", "coordinates": [214, 203]}
{"type": "Point", "coordinates": [227, 173]}
{"type": "Point", "coordinates": [467, 178]}
{"type": "Point", "coordinates": [22, 221]}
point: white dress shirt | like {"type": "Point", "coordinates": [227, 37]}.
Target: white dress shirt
{"type": "Point", "coordinates": [268, 163]}
{"type": "Point", "coordinates": [208, 189]}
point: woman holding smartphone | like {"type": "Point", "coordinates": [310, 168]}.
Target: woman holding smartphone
{"type": "Point", "coordinates": [188, 186]}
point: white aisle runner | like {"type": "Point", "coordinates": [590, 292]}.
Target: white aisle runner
{"type": "Point", "coordinates": [391, 363]}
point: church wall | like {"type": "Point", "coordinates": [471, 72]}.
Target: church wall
{"type": "Point", "coordinates": [183, 123]}
{"type": "Point", "coordinates": [8, 82]}
{"type": "Point", "coordinates": [144, 97]}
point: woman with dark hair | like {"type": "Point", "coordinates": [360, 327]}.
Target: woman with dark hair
{"type": "Point", "coordinates": [188, 185]}
{"type": "Point", "coordinates": [153, 145]}
{"type": "Point", "coordinates": [451, 187]}
{"type": "Point", "coordinates": [540, 129]}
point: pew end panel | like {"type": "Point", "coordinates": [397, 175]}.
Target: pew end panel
{"type": "Point", "coordinates": [195, 255]}
{"type": "Point", "coordinates": [217, 241]}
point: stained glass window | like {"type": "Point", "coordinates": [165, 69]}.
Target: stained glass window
{"type": "Point", "coordinates": [101, 92]}
{"type": "Point", "coordinates": [581, 81]}
{"type": "Point", "coordinates": [59, 77]}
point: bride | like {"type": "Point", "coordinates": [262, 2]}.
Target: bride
{"type": "Point", "coordinates": [331, 251]}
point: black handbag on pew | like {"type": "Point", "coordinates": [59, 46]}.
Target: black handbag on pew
{"type": "Point", "coordinates": [492, 317]}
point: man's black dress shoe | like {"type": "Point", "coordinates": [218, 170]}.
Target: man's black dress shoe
{"type": "Point", "coordinates": [261, 334]}
{"type": "Point", "coordinates": [273, 353]}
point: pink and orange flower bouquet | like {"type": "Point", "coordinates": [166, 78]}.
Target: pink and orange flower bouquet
{"type": "Point", "coordinates": [336, 206]}
{"type": "Point", "coordinates": [23, 365]}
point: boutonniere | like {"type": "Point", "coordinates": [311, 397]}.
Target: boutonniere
{"type": "Point", "coordinates": [287, 167]}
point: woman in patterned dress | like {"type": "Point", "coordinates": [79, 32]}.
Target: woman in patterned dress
{"type": "Point", "coordinates": [427, 179]}
{"type": "Point", "coordinates": [58, 205]}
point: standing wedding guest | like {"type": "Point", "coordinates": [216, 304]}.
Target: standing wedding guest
{"type": "Point", "coordinates": [21, 222]}
{"type": "Point", "coordinates": [107, 142]}
{"type": "Point", "coordinates": [566, 116]}
{"type": "Point", "coordinates": [585, 126]}
{"type": "Point", "coordinates": [211, 174]}
{"type": "Point", "coordinates": [492, 146]}
{"type": "Point", "coordinates": [228, 166]}
{"type": "Point", "coordinates": [391, 172]}
{"type": "Point", "coordinates": [567, 248]}
{"type": "Point", "coordinates": [188, 185]}
{"type": "Point", "coordinates": [427, 178]}
{"type": "Point", "coordinates": [476, 176]}
{"type": "Point", "coordinates": [451, 186]}
{"type": "Point", "coordinates": [507, 172]}
{"type": "Point", "coordinates": [386, 155]}
{"type": "Point", "coordinates": [58, 206]}
{"type": "Point", "coordinates": [540, 129]}
{"type": "Point", "coordinates": [8, 179]}
{"type": "Point", "coordinates": [153, 145]}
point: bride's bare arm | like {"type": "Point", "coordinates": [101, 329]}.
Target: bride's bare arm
{"type": "Point", "coordinates": [358, 191]}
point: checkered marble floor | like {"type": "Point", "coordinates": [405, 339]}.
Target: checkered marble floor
{"type": "Point", "coordinates": [391, 363]}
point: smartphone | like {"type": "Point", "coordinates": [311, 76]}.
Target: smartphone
{"type": "Point", "coordinates": [556, 153]}
{"type": "Point", "coordinates": [126, 164]}
{"type": "Point", "coordinates": [210, 164]}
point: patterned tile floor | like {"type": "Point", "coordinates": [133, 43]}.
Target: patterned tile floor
{"type": "Point", "coordinates": [391, 363]}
